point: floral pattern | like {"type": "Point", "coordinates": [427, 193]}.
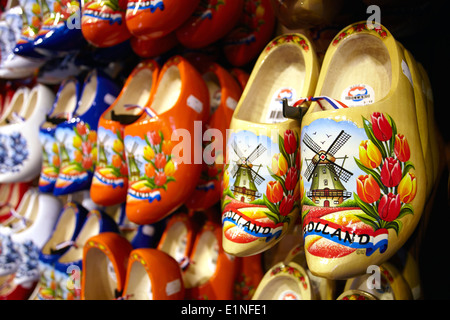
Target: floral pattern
{"type": "Point", "coordinates": [295, 39]}
{"type": "Point", "coordinates": [291, 271]}
{"type": "Point", "coordinates": [13, 152]}
{"type": "Point", "coordinates": [376, 28]}
{"type": "Point", "coordinates": [282, 193]}
{"type": "Point", "coordinates": [384, 194]}
{"type": "Point", "coordinates": [85, 145]}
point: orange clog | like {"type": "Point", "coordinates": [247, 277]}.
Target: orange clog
{"type": "Point", "coordinates": [241, 76]}
{"type": "Point", "coordinates": [103, 22]}
{"type": "Point", "coordinates": [178, 238]}
{"type": "Point", "coordinates": [250, 35]}
{"type": "Point", "coordinates": [105, 258]}
{"type": "Point", "coordinates": [211, 272]}
{"type": "Point", "coordinates": [110, 180]}
{"type": "Point", "coordinates": [162, 172]}
{"type": "Point", "coordinates": [152, 275]}
{"type": "Point", "coordinates": [156, 18]}
{"type": "Point", "coordinates": [224, 94]}
{"type": "Point", "coordinates": [149, 48]}
{"type": "Point", "coordinates": [211, 21]}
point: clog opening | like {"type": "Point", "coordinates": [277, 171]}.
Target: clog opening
{"type": "Point", "coordinates": [15, 105]}
{"type": "Point", "coordinates": [30, 213]}
{"type": "Point", "coordinates": [65, 105]}
{"type": "Point", "coordinates": [88, 95]}
{"type": "Point", "coordinates": [90, 228]}
{"type": "Point", "coordinates": [281, 74]}
{"type": "Point", "coordinates": [359, 72]}
{"type": "Point", "coordinates": [204, 262]}
{"type": "Point", "coordinates": [29, 105]}
{"type": "Point", "coordinates": [175, 243]}
{"type": "Point", "coordinates": [281, 288]}
{"type": "Point", "coordinates": [101, 278]}
{"type": "Point", "coordinates": [139, 286]}
{"type": "Point", "coordinates": [136, 93]}
{"type": "Point", "coordinates": [215, 91]}
{"type": "Point", "coordinates": [168, 92]}
{"type": "Point", "coordinates": [21, 210]}
{"type": "Point", "coordinates": [63, 231]}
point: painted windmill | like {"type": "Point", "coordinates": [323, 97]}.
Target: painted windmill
{"type": "Point", "coordinates": [133, 169]}
{"type": "Point", "coordinates": [63, 155]}
{"type": "Point", "coordinates": [246, 178]}
{"type": "Point", "coordinates": [327, 189]}
{"type": "Point", "coordinates": [102, 159]}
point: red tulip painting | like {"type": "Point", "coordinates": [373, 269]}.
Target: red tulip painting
{"type": "Point", "coordinates": [388, 187]}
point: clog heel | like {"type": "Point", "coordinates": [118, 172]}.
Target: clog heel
{"type": "Point", "coordinates": [363, 172]}
{"type": "Point", "coordinates": [157, 18]}
{"type": "Point", "coordinates": [224, 94]}
{"type": "Point", "coordinates": [77, 138]}
{"type": "Point", "coordinates": [211, 271]}
{"type": "Point", "coordinates": [20, 139]}
{"type": "Point", "coordinates": [63, 110]}
{"type": "Point", "coordinates": [152, 275]}
{"type": "Point", "coordinates": [110, 181]}
{"type": "Point", "coordinates": [260, 200]}
{"type": "Point", "coordinates": [162, 173]}
{"type": "Point", "coordinates": [103, 23]}
{"type": "Point", "coordinates": [105, 258]}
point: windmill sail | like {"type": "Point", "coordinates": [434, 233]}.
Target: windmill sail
{"type": "Point", "coordinates": [340, 140]}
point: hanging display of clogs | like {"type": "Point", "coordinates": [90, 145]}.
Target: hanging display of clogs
{"type": "Point", "coordinates": [218, 150]}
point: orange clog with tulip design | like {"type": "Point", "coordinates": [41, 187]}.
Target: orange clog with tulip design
{"type": "Point", "coordinates": [211, 21]}
{"type": "Point", "coordinates": [224, 94]}
{"type": "Point", "coordinates": [103, 22]}
{"type": "Point", "coordinates": [211, 271]}
{"type": "Point", "coordinates": [250, 35]}
{"type": "Point", "coordinates": [164, 150]}
{"type": "Point", "coordinates": [156, 18]}
{"type": "Point", "coordinates": [110, 181]}
{"type": "Point", "coordinates": [152, 275]}
{"type": "Point", "coordinates": [105, 258]}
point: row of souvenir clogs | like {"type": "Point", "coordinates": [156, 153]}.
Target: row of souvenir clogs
{"type": "Point", "coordinates": [95, 138]}
{"type": "Point", "coordinates": [69, 252]}
{"type": "Point", "coordinates": [396, 162]}
{"type": "Point", "coordinates": [50, 251]}
{"type": "Point", "coordinates": [359, 159]}
{"type": "Point", "coordinates": [54, 28]}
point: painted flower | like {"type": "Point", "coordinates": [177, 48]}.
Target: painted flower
{"type": "Point", "coordinates": [87, 162]}
{"type": "Point", "coordinates": [381, 127]}
{"type": "Point", "coordinates": [149, 170]}
{"type": "Point", "coordinates": [154, 137]}
{"type": "Point", "coordinates": [226, 180]}
{"type": "Point", "coordinates": [367, 188]}
{"type": "Point", "coordinates": [279, 165]}
{"type": "Point", "coordinates": [77, 155]}
{"type": "Point", "coordinates": [169, 168]}
{"type": "Point", "coordinates": [391, 172]}
{"type": "Point", "coordinates": [274, 191]}
{"type": "Point", "coordinates": [77, 141]}
{"type": "Point", "coordinates": [116, 161]}
{"type": "Point", "coordinates": [81, 128]}
{"type": "Point", "coordinates": [389, 207]}
{"type": "Point", "coordinates": [160, 161]}
{"type": "Point", "coordinates": [286, 205]}
{"type": "Point", "coordinates": [167, 147]}
{"type": "Point", "coordinates": [55, 161]}
{"type": "Point", "coordinates": [290, 142]}
{"type": "Point", "coordinates": [291, 179]}
{"type": "Point", "coordinates": [401, 148]}
{"type": "Point", "coordinates": [149, 154]}
{"type": "Point", "coordinates": [92, 136]}
{"type": "Point", "coordinates": [369, 154]}
{"type": "Point", "coordinates": [117, 146]}
{"type": "Point", "coordinates": [407, 188]}
{"type": "Point", "coordinates": [160, 178]}
{"type": "Point", "coordinates": [86, 146]}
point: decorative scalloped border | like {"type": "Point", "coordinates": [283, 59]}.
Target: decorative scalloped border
{"type": "Point", "coordinates": [360, 27]}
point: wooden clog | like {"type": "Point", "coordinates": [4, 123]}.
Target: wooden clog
{"type": "Point", "coordinates": [152, 275]}
{"type": "Point", "coordinates": [363, 172]}
{"type": "Point", "coordinates": [260, 201]}
{"type": "Point", "coordinates": [105, 259]}
{"type": "Point", "coordinates": [162, 173]}
{"type": "Point", "coordinates": [110, 180]}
